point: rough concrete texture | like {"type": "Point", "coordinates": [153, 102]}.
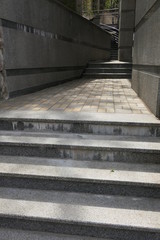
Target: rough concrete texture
{"type": "Point", "coordinates": [34, 28]}
{"type": "Point", "coordinates": [126, 39]}
{"type": "Point", "coordinates": [142, 7]}
{"type": "Point", "coordinates": [127, 19]}
{"type": "Point", "coordinates": [127, 5]}
{"type": "Point", "coordinates": [147, 44]}
{"type": "Point", "coordinates": [126, 27]}
{"type": "Point", "coordinates": [146, 85]}
{"type": "Point", "coordinates": [146, 61]}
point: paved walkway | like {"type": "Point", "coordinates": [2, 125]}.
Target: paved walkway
{"type": "Point", "coordinates": [91, 95]}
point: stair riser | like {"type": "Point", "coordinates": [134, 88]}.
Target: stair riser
{"type": "Point", "coordinates": [105, 65]}
{"type": "Point", "coordinates": [99, 76]}
{"type": "Point", "coordinates": [111, 70]}
{"type": "Point", "coordinates": [78, 228]}
{"type": "Point", "coordinates": [73, 127]}
{"type": "Point", "coordinates": [81, 153]}
{"type": "Point", "coordinates": [79, 186]}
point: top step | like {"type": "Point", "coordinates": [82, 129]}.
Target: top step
{"type": "Point", "coordinates": [111, 64]}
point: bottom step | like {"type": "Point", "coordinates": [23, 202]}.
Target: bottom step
{"type": "Point", "coordinates": [90, 221]}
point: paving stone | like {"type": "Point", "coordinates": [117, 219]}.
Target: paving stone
{"type": "Point", "coordinates": [92, 95]}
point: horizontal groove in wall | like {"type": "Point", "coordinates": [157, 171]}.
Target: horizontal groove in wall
{"type": "Point", "coordinates": [150, 12]}
{"type": "Point", "coordinates": [150, 69]}
{"type": "Point", "coordinates": [39, 87]}
{"type": "Point", "coordinates": [31, 71]}
{"type": "Point", "coordinates": [49, 35]}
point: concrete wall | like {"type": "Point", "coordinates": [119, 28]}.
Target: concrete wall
{"type": "Point", "coordinates": [126, 29]}
{"type": "Point", "coordinates": [45, 44]}
{"type": "Point", "coordinates": [146, 54]}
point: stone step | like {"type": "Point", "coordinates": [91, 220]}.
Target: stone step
{"type": "Point", "coordinates": [82, 199]}
{"type": "Point", "coordinates": [82, 220]}
{"type": "Point", "coordinates": [109, 65]}
{"type": "Point", "coordinates": [108, 75]}
{"type": "Point", "coordinates": [90, 123]}
{"type": "Point", "coordinates": [138, 180]}
{"type": "Point", "coordinates": [81, 148]}
{"type": "Point", "coordinates": [80, 136]}
{"type": "Point", "coordinates": [15, 234]}
{"type": "Point", "coordinates": [108, 70]}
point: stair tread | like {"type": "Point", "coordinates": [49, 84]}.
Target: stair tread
{"type": "Point", "coordinates": [77, 214]}
{"type": "Point", "coordinates": [119, 166]}
{"type": "Point", "coordinates": [80, 143]}
{"type": "Point", "coordinates": [80, 136]}
{"type": "Point", "coordinates": [105, 118]}
{"type": "Point", "coordinates": [83, 174]}
{"type": "Point", "coordinates": [82, 199]}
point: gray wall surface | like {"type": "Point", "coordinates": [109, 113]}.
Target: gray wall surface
{"type": "Point", "coordinates": [45, 44]}
{"type": "Point", "coordinates": [146, 54]}
{"type": "Point", "coordinates": [126, 29]}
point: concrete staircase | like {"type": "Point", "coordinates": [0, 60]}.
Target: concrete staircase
{"type": "Point", "coordinates": [110, 70]}
{"type": "Point", "coordinates": [79, 176]}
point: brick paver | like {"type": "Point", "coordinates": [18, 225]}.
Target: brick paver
{"type": "Point", "coordinates": [91, 95]}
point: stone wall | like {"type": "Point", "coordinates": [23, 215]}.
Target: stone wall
{"type": "Point", "coordinates": [46, 44]}
{"type": "Point", "coordinates": [146, 54]}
